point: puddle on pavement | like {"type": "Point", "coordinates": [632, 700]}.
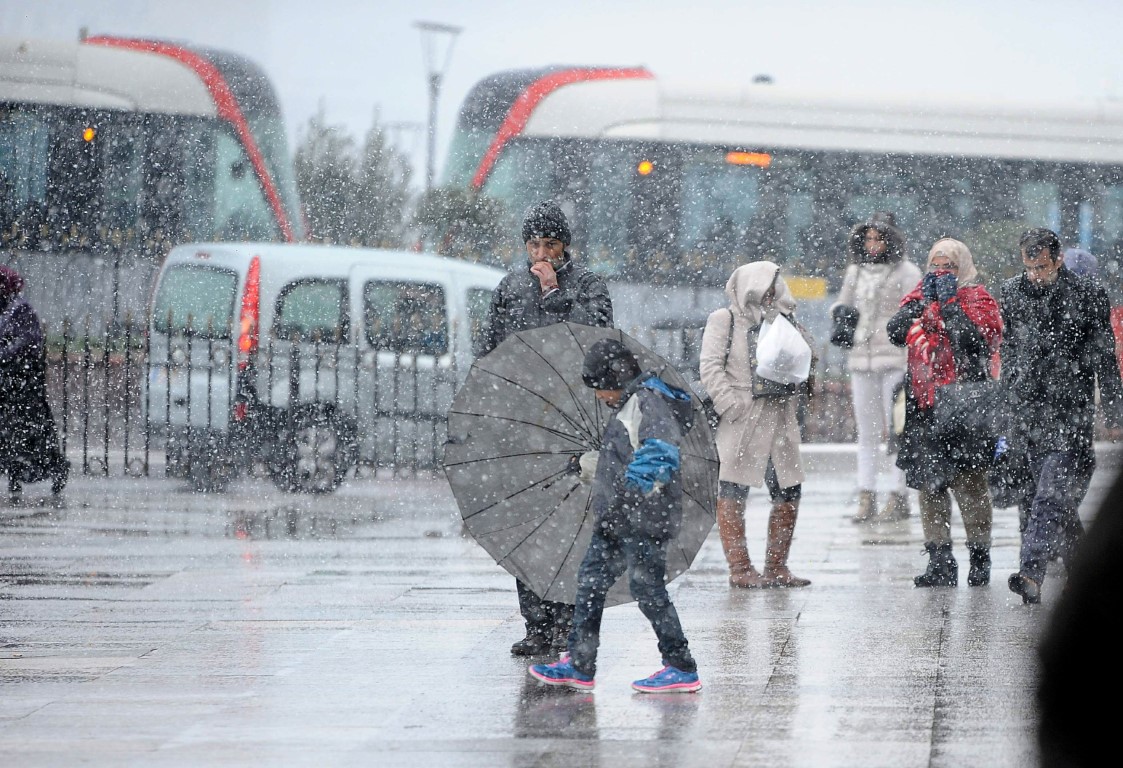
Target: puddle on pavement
{"type": "Point", "coordinates": [295, 522]}
{"type": "Point", "coordinates": [311, 520]}
{"type": "Point", "coordinates": [11, 575]}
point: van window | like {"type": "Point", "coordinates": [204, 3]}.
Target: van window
{"type": "Point", "coordinates": [406, 317]}
{"type": "Point", "coordinates": [196, 296]}
{"type": "Point", "coordinates": [311, 310]}
{"type": "Point", "coordinates": [479, 302]}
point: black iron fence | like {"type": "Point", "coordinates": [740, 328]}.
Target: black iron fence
{"type": "Point", "coordinates": [305, 411]}
{"type": "Point", "coordinates": [93, 382]}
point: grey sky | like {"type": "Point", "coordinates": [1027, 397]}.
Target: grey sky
{"type": "Point", "coordinates": [357, 56]}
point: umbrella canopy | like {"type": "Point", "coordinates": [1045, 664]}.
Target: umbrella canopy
{"type": "Point", "coordinates": [515, 427]}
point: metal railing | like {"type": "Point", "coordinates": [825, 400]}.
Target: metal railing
{"type": "Point", "coordinates": [388, 407]}
{"type": "Point", "coordinates": [392, 405]}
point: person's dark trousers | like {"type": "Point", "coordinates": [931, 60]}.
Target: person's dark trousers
{"type": "Point", "coordinates": [547, 618]}
{"type": "Point", "coordinates": [1052, 525]}
{"type": "Point", "coordinates": [645, 561]}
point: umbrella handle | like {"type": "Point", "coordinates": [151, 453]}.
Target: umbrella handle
{"type": "Point", "coordinates": [572, 469]}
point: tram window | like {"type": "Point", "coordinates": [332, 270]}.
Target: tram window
{"type": "Point", "coordinates": [609, 205]}
{"type": "Point", "coordinates": [23, 175]}
{"type": "Point", "coordinates": [524, 175]}
{"type": "Point", "coordinates": [797, 222]}
{"type": "Point", "coordinates": [121, 186]}
{"type": "Point", "coordinates": [718, 203]}
{"type": "Point", "coordinates": [1041, 203]}
{"type": "Point", "coordinates": [162, 187]}
{"type": "Point", "coordinates": [883, 183]}
{"type": "Point", "coordinates": [1109, 223]}
{"type": "Point", "coordinates": [72, 180]}
{"type": "Point", "coordinates": [241, 210]}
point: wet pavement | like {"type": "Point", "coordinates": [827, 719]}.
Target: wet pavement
{"type": "Point", "coordinates": [143, 625]}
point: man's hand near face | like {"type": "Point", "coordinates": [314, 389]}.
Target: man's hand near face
{"type": "Point", "coordinates": [546, 254]}
{"type": "Point", "coordinates": [547, 278]}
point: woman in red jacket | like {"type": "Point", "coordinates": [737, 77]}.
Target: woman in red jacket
{"type": "Point", "coordinates": [952, 329]}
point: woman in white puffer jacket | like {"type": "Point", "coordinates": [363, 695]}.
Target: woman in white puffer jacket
{"type": "Point", "coordinates": [877, 278]}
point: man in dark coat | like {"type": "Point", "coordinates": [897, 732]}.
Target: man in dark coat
{"type": "Point", "coordinates": [29, 444]}
{"type": "Point", "coordinates": [637, 509]}
{"type": "Point", "coordinates": [550, 287]}
{"type": "Point", "coordinates": [1057, 348]}
{"type": "Point", "coordinates": [1078, 649]}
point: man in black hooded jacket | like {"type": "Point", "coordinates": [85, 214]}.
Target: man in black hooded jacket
{"type": "Point", "coordinates": [1057, 348]}
{"type": "Point", "coordinates": [550, 287]}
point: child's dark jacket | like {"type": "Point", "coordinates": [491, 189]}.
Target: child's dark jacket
{"type": "Point", "coordinates": [638, 486]}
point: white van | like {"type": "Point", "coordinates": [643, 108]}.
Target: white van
{"type": "Point", "coordinates": [308, 358]}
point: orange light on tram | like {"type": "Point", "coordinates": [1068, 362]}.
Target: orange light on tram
{"type": "Point", "coordinates": [645, 167]}
{"type": "Point", "coordinates": [88, 134]}
{"type": "Point", "coordinates": [759, 159]}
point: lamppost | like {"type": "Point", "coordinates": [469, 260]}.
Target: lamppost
{"type": "Point", "coordinates": [436, 39]}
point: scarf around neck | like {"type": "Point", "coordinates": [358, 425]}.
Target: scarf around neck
{"type": "Point", "coordinates": [931, 362]}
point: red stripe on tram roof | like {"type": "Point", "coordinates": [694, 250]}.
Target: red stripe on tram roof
{"type": "Point", "coordinates": [532, 96]}
{"type": "Point", "coordinates": [225, 102]}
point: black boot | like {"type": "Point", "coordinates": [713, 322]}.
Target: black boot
{"type": "Point", "coordinates": [1023, 585]}
{"type": "Point", "coordinates": [534, 644]}
{"type": "Point", "coordinates": [942, 570]}
{"type": "Point", "coordinates": [979, 575]}
{"type": "Point", "coordinates": [559, 641]}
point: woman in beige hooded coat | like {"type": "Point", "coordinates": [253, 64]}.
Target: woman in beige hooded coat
{"type": "Point", "coordinates": [758, 436]}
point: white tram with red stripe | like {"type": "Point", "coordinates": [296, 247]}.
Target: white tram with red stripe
{"type": "Point", "coordinates": [113, 150]}
{"type": "Point", "coordinates": [670, 185]}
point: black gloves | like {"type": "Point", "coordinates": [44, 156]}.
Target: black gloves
{"type": "Point", "coordinates": [928, 286]}
{"type": "Point", "coordinates": [844, 323]}
{"type": "Point", "coordinates": [946, 286]}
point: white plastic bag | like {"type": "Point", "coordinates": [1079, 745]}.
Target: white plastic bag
{"type": "Point", "coordinates": [781, 353]}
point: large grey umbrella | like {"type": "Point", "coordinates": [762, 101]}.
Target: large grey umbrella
{"type": "Point", "coordinates": [515, 428]}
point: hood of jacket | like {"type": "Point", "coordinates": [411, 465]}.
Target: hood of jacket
{"type": "Point", "coordinates": [677, 399]}
{"type": "Point", "coordinates": [958, 254]}
{"type": "Point", "coordinates": [894, 238]}
{"type": "Point", "coordinates": [746, 288]}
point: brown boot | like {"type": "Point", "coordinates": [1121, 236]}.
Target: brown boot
{"type": "Point", "coordinates": [731, 527]}
{"type": "Point", "coordinates": [781, 529]}
{"type": "Point", "coordinates": [867, 507]}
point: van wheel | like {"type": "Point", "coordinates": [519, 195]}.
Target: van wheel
{"type": "Point", "coordinates": [316, 454]}
{"type": "Point", "coordinates": [206, 477]}
{"type": "Point", "coordinates": [178, 454]}
{"type": "Point", "coordinates": [208, 467]}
